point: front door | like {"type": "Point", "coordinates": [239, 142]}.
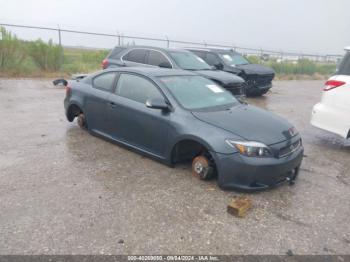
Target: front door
{"type": "Point", "coordinates": [133, 122]}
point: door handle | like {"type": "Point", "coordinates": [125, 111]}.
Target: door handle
{"type": "Point", "coordinates": [112, 104]}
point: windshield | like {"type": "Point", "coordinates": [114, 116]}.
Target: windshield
{"type": "Point", "coordinates": [196, 92]}
{"type": "Point", "coordinates": [233, 59]}
{"type": "Point", "coordinates": [189, 61]}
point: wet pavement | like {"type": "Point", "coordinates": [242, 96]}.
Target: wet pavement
{"type": "Point", "coordinates": [64, 191]}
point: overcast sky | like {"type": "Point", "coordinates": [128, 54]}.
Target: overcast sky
{"type": "Point", "coordinates": [318, 26]}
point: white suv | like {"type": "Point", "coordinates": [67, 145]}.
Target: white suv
{"type": "Point", "coordinates": [333, 112]}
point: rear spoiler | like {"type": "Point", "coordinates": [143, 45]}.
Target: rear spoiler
{"type": "Point", "coordinates": [79, 76]}
{"type": "Point", "coordinates": [60, 81]}
{"type": "Point", "coordinates": [64, 82]}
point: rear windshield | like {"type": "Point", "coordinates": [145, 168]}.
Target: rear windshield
{"type": "Point", "coordinates": [344, 66]}
{"type": "Point", "coordinates": [116, 51]}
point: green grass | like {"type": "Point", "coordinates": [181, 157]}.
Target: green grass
{"type": "Point", "coordinates": [74, 61]}
{"type": "Point", "coordinates": [82, 61]}
{"type": "Point", "coordinates": [20, 58]}
{"type": "Point", "coordinates": [301, 67]}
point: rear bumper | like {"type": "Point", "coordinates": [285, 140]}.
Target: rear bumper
{"type": "Point", "coordinates": [253, 174]}
{"type": "Point", "coordinates": [330, 119]}
{"type": "Point", "coordinates": [66, 105]}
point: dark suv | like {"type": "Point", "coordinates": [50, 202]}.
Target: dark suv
{"type": "Point", "coordinates": [258, 77]}
{"type": "Point", "coordinates": [172, 58]}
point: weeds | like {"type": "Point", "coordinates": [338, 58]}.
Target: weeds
{"type": "Point", "coordinates": [12, 51]}
{"type": "Point", "coordinates": [46, 56]}
{"type": "Point", "coordinates": [301, 67]}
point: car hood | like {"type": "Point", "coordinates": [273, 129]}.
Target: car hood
{"type": "Point", "coordinates": [250, 123]}
{"type": "Point", "coordinates": [255, 69]}
{"type": "Point", "coordinates": [220, 76]}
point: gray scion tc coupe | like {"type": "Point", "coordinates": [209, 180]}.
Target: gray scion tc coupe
{"type": "Point", "coordinates": [175, 115]}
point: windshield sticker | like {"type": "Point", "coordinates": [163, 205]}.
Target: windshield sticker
{"type": "Point", "coordinates": [227, 57]}
{"type": "Point", "coordinates": [215, 89]}
{"type": "Point", "coordinates": [200, 59]}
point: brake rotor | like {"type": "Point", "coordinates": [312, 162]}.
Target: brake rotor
{"type": "Point", "coordinates": [81, 121]}
{"type": "Point", "coordinates": [201, 167]}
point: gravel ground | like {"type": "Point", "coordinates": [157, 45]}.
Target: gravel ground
{"type": "Point", "coordinates": [64, 191]}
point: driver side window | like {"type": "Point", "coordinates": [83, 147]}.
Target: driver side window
{"type": "Point", "coordinates": [136, 88]}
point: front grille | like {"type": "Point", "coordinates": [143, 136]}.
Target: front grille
{"type": "Point", "coordinates": [285, 151]}
{"type": "Point", "coordinates": [260, 80]}
{"type": "Point", "coordinates": [235, 89]}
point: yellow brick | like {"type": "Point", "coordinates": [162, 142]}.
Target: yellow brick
{"type": "Point", "coordinates": [239, 206]}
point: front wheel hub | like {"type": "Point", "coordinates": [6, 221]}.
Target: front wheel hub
{"type": "Point", "coordinates": [201, 168]}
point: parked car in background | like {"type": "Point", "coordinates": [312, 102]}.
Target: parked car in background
{"type": "Point", "coordinates": [175, 59]}
{"type": "Point", "coordinates": [333, 112]}
{"type": "Point", "coordinates": [177, 115]}
{"type": "Point", "coordinates": [258, 77]}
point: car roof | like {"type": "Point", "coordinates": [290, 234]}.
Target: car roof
{"type": "Point", "coordinates": [152, 71]}
{"type": "Point", "coordinates": [347, 48]}
{"type": "Point", "coordinates": [163, 49]}
{"type": "Point", "coordinates": [215, 50]}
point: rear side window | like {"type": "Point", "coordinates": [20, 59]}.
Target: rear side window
{"type": "Point", "coordinates": [156, 58]}
{"type": "Point", "coordinates": [136, 55]}
{"type": "Point", "coordinates": [104, 81]}
{"type": "Point", "coordinates": [136, 88]}
{"type": "Point", "coordinates": [344, 66]}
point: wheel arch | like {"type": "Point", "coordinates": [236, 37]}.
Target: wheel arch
{"type": "Point", "coordinates": [188, 146]}
{"type": "Point", "coordinates": [74, 109]}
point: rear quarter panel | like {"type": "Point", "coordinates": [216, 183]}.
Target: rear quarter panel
{"type": "Point", "coordinates": [338, 97]}
{"type": "Point", "coordinates": [79, 91]}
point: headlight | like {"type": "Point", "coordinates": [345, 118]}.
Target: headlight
{"type": "Point", "coordinates": [250, 148]}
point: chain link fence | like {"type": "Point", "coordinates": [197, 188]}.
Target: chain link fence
{"type": "Point", "coordinates": [85, 40]}
{"type": "Point", "coordinates": [67, 38]}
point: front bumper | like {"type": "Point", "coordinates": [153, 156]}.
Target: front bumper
{"type": "Point", "coordinates": [257, 90]}
{"type": "Point", "coordinates": [236, 89]}
{"type": "Point", "coordinates": [239, 172]}
{"type": "Point", "coordinates": [258, 84]}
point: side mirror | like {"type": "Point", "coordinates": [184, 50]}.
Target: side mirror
{"type": "Point", "coordinates": [157, 103]}
{"type": "Point", "coordinates": [219, 66]}
{"type": "Point", "coordinates": [165, 65]}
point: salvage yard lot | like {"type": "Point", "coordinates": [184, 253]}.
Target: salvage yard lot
{"type": "Point", "coordinates": [64, 191]}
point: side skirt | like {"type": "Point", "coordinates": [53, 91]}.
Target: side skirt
{"type": "Point", "coordinates": [130, 146]}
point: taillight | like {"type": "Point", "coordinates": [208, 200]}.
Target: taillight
{"type": "Point", "coordinates": [104, 63]}
{"type": "Point", "coordinates": [330, 84]}
{"type": "Point", "coordinates": [68, 89]}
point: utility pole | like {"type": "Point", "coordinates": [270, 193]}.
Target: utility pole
{"type": "Point", "coordinates": [61, 50]}
{"type": "Point", "coordinates": [167, 42]}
